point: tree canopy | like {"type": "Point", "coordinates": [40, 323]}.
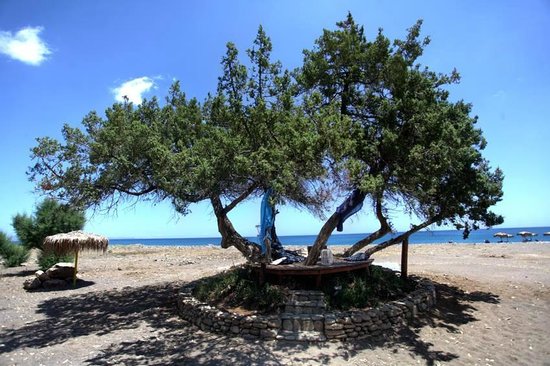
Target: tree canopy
{"type": "Point", "coordinates": [247, 137]}
{"type": "Point", "coordinates": [358, 115]}
{"type": "Point", "coordinates": [411, 147]}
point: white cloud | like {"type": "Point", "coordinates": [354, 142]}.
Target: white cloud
{"type": "Point", "coordinates": [25, 46]}
{"type": "Point", "coordinates": [134, 89]}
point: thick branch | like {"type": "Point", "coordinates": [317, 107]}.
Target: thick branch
{"type": "Point", "coordinates": [242, 197]}
{"type": "Point", "coordinates": [321, 240]}
{"type": "Point", "coordinates": [230, 237]}
{"type": "Point", "coordinates": [403, 236]}
{"type": "Point", "coordinates": [384, 229]}
{"type": "Point", "coordinates": [133, 193]}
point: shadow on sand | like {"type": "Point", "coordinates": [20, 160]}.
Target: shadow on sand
{"type": "Point", "coordinates": [176, 342]}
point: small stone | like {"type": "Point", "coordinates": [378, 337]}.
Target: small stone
{"type": "Point", "coordinates": [61, 270]}
{"type": "Point", "coordinates": [32, 283]}
{"type": "Point", "coordinates": [235, 329]}
{"type": "Point", "coordinates": [268, 333]}
{"type": "Point", "coordinates": [334, 326]}
{"type": "Point", "coordinates": [42, 276]}
{"type": "Point", "coordinates": [287, 324]}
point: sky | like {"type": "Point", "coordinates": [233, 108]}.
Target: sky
{"type": "Point", "coordinates": [61, 59]}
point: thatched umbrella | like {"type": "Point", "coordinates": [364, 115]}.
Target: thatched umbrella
{"type": "Point", "coordinates": [547, 233]}
{"type": "Point", "coordinates": [526, 234]}
{"type": "Point", "coordinates": [501, 235]}
{"type": "Point", "coordinates": [74, 242]}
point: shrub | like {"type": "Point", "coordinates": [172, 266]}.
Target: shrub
{"type": "Point", "coordinates": [49, 218]}
{"type": "Point", "coordinates": [47, 260]}
{"type": "Point", "coordinates": [238, 287]}
{"type": "Point", "coordinates": [355, 291]}
{"type": "Point", "coordinates": [13, 254]}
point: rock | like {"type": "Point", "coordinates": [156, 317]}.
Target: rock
{"type": "Point", "coordinates": [54, 283]}
{"type": "Point", "coordinates": [61, 271]}
{"type": "Point", "coordinates": [32, 283]}
{"type": "Point", "coordinates": [42, 276]}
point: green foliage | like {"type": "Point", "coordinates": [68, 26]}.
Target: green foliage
{"type": "Point", "coordinates": [359, 113]}
{"type": "Point", "coordinates": [13, 254]}
{"type": "Point", "coordinates": [238, 287]}
{"type": "Point", "coordinates": [47, 260]}
{"type": "Point", "coordinates": [357, 291]}
{"type": "Point", "coordinates": [410, 147]}
{"type": "Point", "coordinates": [49, 218]}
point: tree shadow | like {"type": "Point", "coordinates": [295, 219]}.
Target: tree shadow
{"type": "Point", "coordinates": [177, 342]}
{"type": "Point", "coordinates": [68, 287]}
{"type": "Point", "coordinates": [21, 273]}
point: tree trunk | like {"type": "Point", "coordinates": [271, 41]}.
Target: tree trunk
{"type": "Point", "coordinates": [230, 237]}
{"type": "Point", "coordinates": [321, 240]}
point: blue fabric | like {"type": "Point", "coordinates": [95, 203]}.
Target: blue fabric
{"type": "Point", "coordinates": [351, 205]}
{"type": "Point", "coordinates": [267, 220]}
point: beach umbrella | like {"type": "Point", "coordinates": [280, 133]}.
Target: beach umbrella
{"type": "Point", "coordinates": [501, 235]}
{"type": "Point", "coordinates": [547, 233]}
{"type": "Point", "coordinates": [526, 234]}
{"type": "Point", "coordinates": [74, 242]}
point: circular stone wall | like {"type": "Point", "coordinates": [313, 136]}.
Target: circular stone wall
{"type": "Point", "coordinates": [305, 317]}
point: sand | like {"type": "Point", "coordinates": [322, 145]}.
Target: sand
{"type": "Point", "coordinates": [494, 309]}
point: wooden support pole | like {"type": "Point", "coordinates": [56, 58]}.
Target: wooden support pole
{"type": "Point", "coordinates": [75, 268]}
{"type": "Point", "coordinates": [404, 257]}
{"type": "Point", "coordinates": [262, 274]}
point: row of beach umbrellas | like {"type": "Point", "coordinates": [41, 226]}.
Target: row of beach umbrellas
{"type": "Point", "coordinates": [523, 234]}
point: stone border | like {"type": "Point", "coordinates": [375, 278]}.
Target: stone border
{"type": "Point", "coordinates": [353, 325]}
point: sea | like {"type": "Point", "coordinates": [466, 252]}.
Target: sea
{"type": "Point", "coordinates": [421, 237]}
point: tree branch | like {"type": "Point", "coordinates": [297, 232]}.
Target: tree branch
{"type": "Point", "coordinates": [239, 199]}
{"type": "Point", "coordinates": [400, 238]}
{"type": "Point", "coordinates": [385, 228]}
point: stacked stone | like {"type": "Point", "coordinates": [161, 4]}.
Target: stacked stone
{"type": "Point", "coordinates": [303, 317]}
{"type": "Point", "coordinates": [209, 318]}
{"type": "Point", "coordinates": [58, 276]}
{"type": "Point", "coordinates": [316, 324]}
{"type": "Point", "coordinates": [376, 323]}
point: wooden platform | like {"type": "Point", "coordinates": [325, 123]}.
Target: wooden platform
{"type": "Point", "coordinates": [316, 271]}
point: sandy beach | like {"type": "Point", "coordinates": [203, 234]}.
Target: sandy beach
{"type": "Point", "coordinates": [493, 309]}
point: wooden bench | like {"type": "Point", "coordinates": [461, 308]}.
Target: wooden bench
{"type": "Point", "coordinates": [316, 271]}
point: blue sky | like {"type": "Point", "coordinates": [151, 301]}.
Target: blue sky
{"type": "Point", "coordinates": [62, 59]}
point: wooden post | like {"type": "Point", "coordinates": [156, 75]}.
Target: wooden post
{"type": "Point", "coordinates": [75, 268]}
{"type": "Point", "coordinates": [262, 274]}
{"type": "Point", "coordinates": [404, 257]}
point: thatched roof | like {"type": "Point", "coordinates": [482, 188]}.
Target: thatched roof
{"type": "Point", "coordinates": [75, 241]}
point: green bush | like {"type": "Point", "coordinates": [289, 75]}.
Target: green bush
{"type": "Point", "coordinates": [238, 287]}
{"type": "Point", "coordinates": [357, 291]}
{"type": "Point", "coordinates": [47, 260]}
{"type": "Point", "coordinates": [13, 254]}
{"type": "Point", "coordinates": [49, 218]}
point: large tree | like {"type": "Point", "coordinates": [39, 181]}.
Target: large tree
{"type": "Point", "coordinates": [247, 137]}
{"type": "Point", "coordinates": [411, 147]}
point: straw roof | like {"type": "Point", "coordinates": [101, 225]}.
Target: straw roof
{"type": "Point", "coordinates": [75, 241]}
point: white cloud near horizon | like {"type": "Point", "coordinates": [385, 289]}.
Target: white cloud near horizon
{"type": "Point", "coordinates": [133, 89]}
{"type": "Point", "coordinates": [25, 45]}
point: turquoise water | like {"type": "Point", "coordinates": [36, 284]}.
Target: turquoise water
{"type": "Point", "coordinates": [435, 236]}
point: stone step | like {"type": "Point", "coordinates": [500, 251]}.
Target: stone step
{"type": "Point", "coordinates": [301, 316]}
{"type": "Point", "coordinates": [302, 322]}
{"type": "Point", "coordinates": [310, 303]}
{"type": "Point", "coordinates": [303, 336]}
{"type": "Point", "coordinates": [301, 295]}
{"type": "Point", "coordinates": [304, 310]}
